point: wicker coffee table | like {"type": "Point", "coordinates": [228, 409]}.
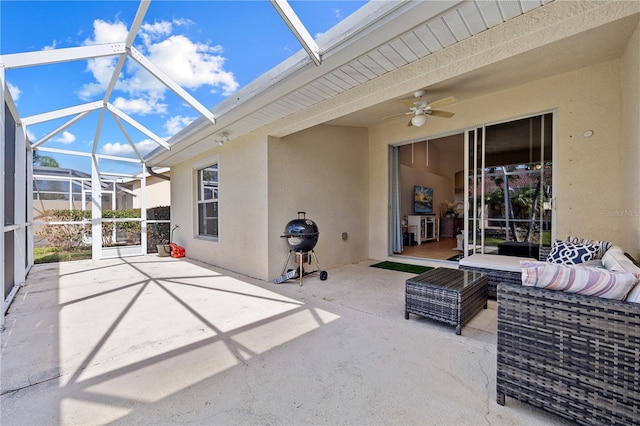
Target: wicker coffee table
{"type": "Point", "coordinates": [446, 295]}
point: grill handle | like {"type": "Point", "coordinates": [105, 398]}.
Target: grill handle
{"type": "Point", "coordinates": [306, 234]}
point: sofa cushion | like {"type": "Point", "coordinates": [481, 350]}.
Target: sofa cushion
{"type": "Point", "coordinates": [634, 294]}
{"type": "Point", "coordinates": [578, 279]}
{"type": "Point", "coordinates": [493, 261]}
{"type": "Point", "coordinates": [603, 246]}
{"type": "Point", "coordinates": [615, 260]}
{"type": "Point", "coordinates": [566, 253]}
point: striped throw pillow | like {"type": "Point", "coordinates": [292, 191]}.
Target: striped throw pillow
{"type": "Point", "coordinates": [578, 279]}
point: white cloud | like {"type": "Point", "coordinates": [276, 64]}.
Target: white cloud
{"type": "Point", "coordinates": [52, 46]}
{"type": "Point", "coordinates": [192, 64]}
{"type": "Point", "coordinates": [15, 91]}
{"type": "Point", "coordinates": [140, 106]}
{"type": "Point", "coordinates": [108, 32]}
{"type": "Point", "coordinates": [183, 22]}
{"type": "Point", "coordinates": [150, 32]}
{"type": "Point", "coordinates": [102, 68]}
{"type": "Point", "coordinates": [189, 64]}
{"type": "Point", "coordinates": [177, 123]}
{"type": "Point", "coordinates": [65, 138]}
{"type": "Point", "coordinates": [125, 150]}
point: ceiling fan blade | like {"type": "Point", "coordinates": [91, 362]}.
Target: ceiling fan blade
{"type": "Point", "coordinates": [442, 102]}
{"type": "Point", "coordinates": [397, 115]}
{"type": "Point", "coordinates": [409, 102]}
{"type": "Point", "coordinates": [438, 113]}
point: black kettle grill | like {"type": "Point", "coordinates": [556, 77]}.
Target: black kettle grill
{"type": "Point", "coordinates": [302, 236]}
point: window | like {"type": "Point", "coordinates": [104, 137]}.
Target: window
{"type": "Point", "coordinates": [208, 201]}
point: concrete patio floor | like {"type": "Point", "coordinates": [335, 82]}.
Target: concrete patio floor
{"type": "Point", "coordinates": [151, 340]}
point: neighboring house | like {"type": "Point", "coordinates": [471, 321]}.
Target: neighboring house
{"type": "Point", "coordinates": [236, 184]}
{"type": "Point", "coordinates": [158, 189]}
{"type": "Point", "coordinates": [61, 188]}
{"type": "Point", "coordinates": [64, 189]}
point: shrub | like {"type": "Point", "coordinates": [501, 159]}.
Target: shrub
{"type": "Point", "coordinates": [72, 236]}
{"type": "Point", "coordinates": [68, 236]}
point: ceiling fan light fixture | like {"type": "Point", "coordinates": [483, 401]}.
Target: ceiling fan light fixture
{"type": "Point", "coordinates": [419, 93]}
{"type": "Point", "coordinates": [419, 120]}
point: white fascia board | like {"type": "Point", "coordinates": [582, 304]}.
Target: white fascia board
{"type": "Point", "coordinates": [138, 126]}
{"type": "Point", "coordinates": [64, 112]}
{"type": "Point", "coordinates": [52, 56]}
{"type": "Point", "coordinates": [167, 81]}
{"type": "Point", "coordinates": [298, 29]}
{"type": "Point", "coordinates": [60, 129]}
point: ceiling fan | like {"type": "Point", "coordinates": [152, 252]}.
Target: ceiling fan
{"type": "Point", "coordinates": [421, 108]}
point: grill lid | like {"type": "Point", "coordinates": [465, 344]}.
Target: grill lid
{"type": "Point", "coordinates": [301, 233]}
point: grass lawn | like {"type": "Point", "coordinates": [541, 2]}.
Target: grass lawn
{"type": "Point", "coordinates": [55, 254]}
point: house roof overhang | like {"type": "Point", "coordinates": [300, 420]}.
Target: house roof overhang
{"type": "Point", "coordinates": [386, 50]}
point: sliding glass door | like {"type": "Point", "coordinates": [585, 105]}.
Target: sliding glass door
{"type": "Point", "coordinates": [509, 187]}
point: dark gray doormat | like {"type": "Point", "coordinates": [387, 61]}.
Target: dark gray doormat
{"type": "Point", "coordinates": [403, 267]}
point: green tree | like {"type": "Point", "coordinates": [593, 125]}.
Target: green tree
{"type": "Point", "coordinates": [44, 160]}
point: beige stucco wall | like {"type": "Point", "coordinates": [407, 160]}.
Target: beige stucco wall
{"type": "Point", "coordinates": [158, 192]}
{"type": "Point", "coordinates": [340, 176]}
{"type": "Point", "coordinates": [242, 244]}
{"type": "Point", "coordinates": [322, 171]}
{"type": "Point", "coordinates": [588, 179]}
{"type": "Point", "coordinates": [630, 207]}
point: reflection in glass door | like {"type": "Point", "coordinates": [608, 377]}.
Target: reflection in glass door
{"type": "Point", "coordinates": [509, 192]}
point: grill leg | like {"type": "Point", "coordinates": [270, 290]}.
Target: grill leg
{"type": "Point", "coordinates": [301, 274]}
{"type": "Point", "coordinates": [316, 259]}
{"type": "Point", "coordinates": [286, 263]}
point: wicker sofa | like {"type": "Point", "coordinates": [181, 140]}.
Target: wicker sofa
{"type": "Point", "coordinates": [575, 355]}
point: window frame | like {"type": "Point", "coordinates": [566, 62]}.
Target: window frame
{"type": "Point", "coordinates": [200, 196]}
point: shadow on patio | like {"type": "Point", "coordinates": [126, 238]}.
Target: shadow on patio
{"type": "Point", "coordinates": [161, 340]}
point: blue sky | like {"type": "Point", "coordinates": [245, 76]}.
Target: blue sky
{"type": "Point", "coordinates": [211, 48]}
